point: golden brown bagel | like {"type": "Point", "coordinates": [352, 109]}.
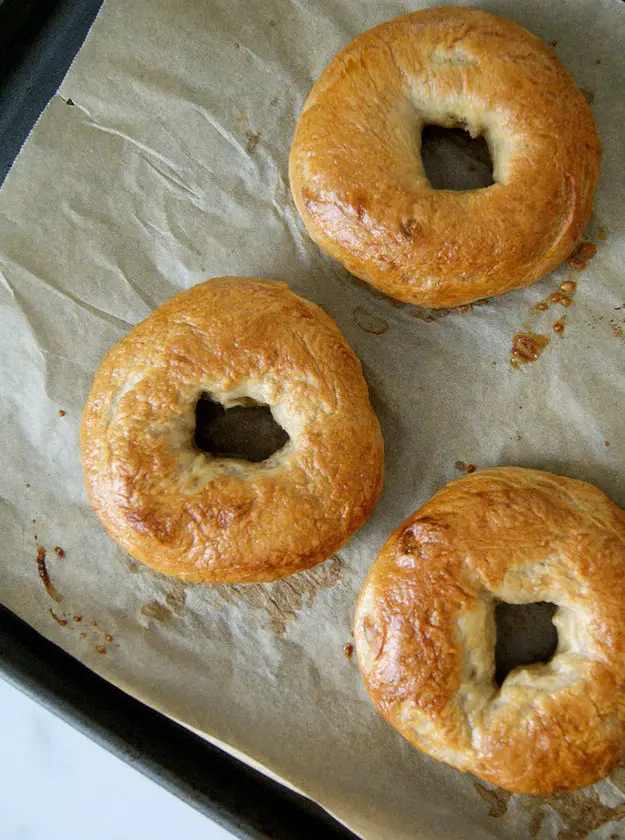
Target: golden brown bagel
{"type": "Point", "coordinates": [207, 519]}
{"type": "Point", "coordinates": [358, 180]}
{"type": "Point", "coordinates": [425, 629]}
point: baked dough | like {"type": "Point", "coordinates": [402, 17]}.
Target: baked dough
{"type": "Point", "coordinates": [358, 181]}
{"type": "Point", "coordinates": [425, 629]}
{"type": "Point", "coordinates": [208, 519]}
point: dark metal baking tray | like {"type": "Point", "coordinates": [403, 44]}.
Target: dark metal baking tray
{"type": "Point", "coordinates": [38, 41]}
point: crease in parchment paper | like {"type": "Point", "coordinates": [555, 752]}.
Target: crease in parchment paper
{"type": "Point", "coordinates": [170, 167]}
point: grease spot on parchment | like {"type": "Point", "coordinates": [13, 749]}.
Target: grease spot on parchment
{"type": "Point", "coordinates": [157, 611]}
{"type": "Point", "coordinates": [173, 603]}
{"type": "Point", "coordinates": [253, 139]}
{"type": "Point", "coordinates": [580, 811]}
{"type": "Point", "coordinates": [368, 322]}
{"type": "Point", "coordinates": [496, 799]}
{"type": "Point", "coordinates": [283, 599]}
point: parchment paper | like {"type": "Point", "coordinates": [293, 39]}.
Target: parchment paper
{"type": "Point", "coordinates": [170, 167]}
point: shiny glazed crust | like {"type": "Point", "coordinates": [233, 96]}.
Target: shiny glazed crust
{"type": "Point", "coordinates": [425, 629]}
{"type": "Point", "coordinates": [358, 180]}
{"type": "Point", "coordinates": [208, 519]}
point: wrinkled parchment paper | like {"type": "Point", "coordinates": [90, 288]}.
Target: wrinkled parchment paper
{"type": "Point", "coordinates": [163, 161]}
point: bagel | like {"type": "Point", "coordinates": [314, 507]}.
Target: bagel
{"type": "Point", "coordinates": [358, 180]}
{"type": "Point", "coordinates": [425, 629]}
{"type": "Point", "coordinates": [205, 518]}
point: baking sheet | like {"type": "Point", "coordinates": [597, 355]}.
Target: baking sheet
{"type": "Point", "coordinates": [163, 161]}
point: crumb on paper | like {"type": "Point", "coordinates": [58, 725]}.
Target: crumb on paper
{"type": "Point", "coordinates": [553, 43]}
{"type": "Point", "coordinates": [61, 413]}
{"type": "Point", "coordinates": [465, 308]}
{"type": "Point", "coordinates": [606, 442]}
{"type": "Point", "coordinates": [59, 551]}
{"type": "Point", "coordinates": [617, 329]}
{"type": "Point", "coordinates": [471, 468]}
{"type": "Point", "coordinates": [348, 650]}
{"type": "Point", "coordinates": [253, 139]}
{"type": "Point", "coordinates": [100, 649]}
{"type": "Point", "coordinates": [558, 326]}
{"type": "Point", "coordinates": [568, 286]}
{"type": "Point", "coordinates": [77, 618]}
{"type": "Point", "coordinates": [69, 101]}
{"type": "Point", "coordinates": [602, 234]}
{"type": "Point", "coordinates": [588, 95]}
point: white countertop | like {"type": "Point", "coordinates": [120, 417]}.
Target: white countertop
{"type": "Point", "coordinates": [55, 782]}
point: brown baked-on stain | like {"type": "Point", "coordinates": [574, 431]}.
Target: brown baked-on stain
{"type": "Point", "coordinates": [59, 551]}
{"type": "Point", "coordinates": [581, 256]}
{"type": "Point", "coordinates": [558, 297]}
{"type": "Point", "coordinates": [580, 812]}
{"type": "Point", "coordinates": [62, 622]}
{"type": "Point", "coordinates": [558, 326]}
{"type": "Point", "coordinates": [460, 466]}
{"type": "Point", "coordinates": [42, 570]}
{"type": "Point", "coordinates": [527, 347]}
{"type": "Point", "coordinates": [497, 799]}
{"type": "Point", "coordinates": [283, 599]}
{"type": "Point", "coordinates": [253, 139]}
{"type": "Point", "coordinates": [348, 650]}
{"type": "Point", "coordinates": [368, 322]}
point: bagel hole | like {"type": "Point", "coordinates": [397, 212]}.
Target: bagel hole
{"type": "Point", "coordinates": [453, 160]}
{"type": "Point", "coordinates": [247, 432]}
{"type": "Point", "coordinates": [525, 635]}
